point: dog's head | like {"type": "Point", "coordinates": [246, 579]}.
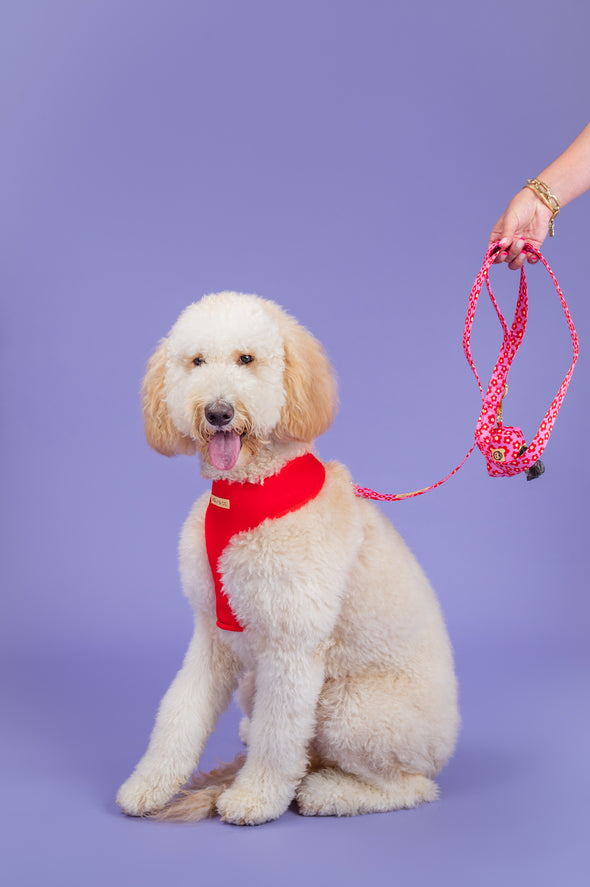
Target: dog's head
{"type": "Point", "coordinates": [236, 374]}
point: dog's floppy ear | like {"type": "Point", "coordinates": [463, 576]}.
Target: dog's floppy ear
{"type": "Point", "coordinates": [312, 397]}
{"type": "Point", "coordinates": [162, 435]}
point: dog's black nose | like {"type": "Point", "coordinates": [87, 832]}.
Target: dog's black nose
{"type": "Point", "coordinates": [219, 413]}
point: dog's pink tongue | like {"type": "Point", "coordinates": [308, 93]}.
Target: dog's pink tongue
{"type": "Point", "coordinates": [224, 450]}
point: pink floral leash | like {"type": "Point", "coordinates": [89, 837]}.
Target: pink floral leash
{"type": "Point", "coordinates": [503, 446]}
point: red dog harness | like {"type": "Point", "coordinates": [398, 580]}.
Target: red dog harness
{"type": "Point", "coordinates": [238, 507]}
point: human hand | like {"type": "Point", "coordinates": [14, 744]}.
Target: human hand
{"type": "Point", "coordinates": [526, 219]}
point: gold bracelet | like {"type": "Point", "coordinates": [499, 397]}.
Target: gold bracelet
{"type": "Point", "coordinates": [545, 194]}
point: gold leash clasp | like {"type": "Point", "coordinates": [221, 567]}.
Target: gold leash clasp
{"type": "Point", "coordinates": [499, 410]}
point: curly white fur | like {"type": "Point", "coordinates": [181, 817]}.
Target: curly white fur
{"type": "Point", "coordinates": [344, 669]}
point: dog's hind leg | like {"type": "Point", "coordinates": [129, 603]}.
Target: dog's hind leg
{"type": "Point", "coordinates": [331, 792]}
{"type": "Point", "coordinates": [380, 738]}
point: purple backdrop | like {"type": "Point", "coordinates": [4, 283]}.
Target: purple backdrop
{"type": "Point", "coordinates": [348, 160]}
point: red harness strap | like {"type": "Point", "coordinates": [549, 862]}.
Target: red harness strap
{"type": "Point", "coordinates": [238, 507]}
{"type": "Point", "coordinates": [503, 447]}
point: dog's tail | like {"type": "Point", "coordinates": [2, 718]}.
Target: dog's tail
{"type": "Point", "coordinates": [198, 798]}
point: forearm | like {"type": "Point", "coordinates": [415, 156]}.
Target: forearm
{"type": "Point", "coordinates": [288, 685]}
{"type": "Point", "coordinates": [528, 215]}
{"type": "Point", "coordinates": [569, 175]}
{"type": "Point", "coordinates": [199, 693]}
{"type": "Point", "coordinates": [187, 715]}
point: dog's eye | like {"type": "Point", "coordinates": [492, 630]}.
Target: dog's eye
{"type": "Point", "coordinates": [245, 359]}
{"type": "Point", "coordinates": [198, 361]}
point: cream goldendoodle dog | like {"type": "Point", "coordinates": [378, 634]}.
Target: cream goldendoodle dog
{"type": "Point", "coordinates": [306, 599]}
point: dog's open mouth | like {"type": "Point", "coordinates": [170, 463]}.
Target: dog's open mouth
{"type": "Point", "coordinates": [224, 449]}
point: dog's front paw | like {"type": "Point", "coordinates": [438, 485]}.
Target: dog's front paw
{"type": "Point", "coordinates": [240, 806]}
{"type": "Point", "coordinates": [140, 795]}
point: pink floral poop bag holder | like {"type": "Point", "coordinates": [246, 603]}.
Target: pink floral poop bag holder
{"type": "Point", "coordinates": [503, 446]}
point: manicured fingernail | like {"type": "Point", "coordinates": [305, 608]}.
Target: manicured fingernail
{"type": "Point", "coordinates": [504, 241]}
